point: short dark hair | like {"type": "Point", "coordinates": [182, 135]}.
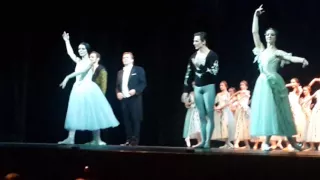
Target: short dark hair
{"type": "Point", "coordinates": [96, 53]}
{"type": "Point", "coordinates": [203, 35]}
{"type": "Point", "coordinates": [130, 53]}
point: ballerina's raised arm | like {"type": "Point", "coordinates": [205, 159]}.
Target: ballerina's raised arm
{"type": "Point", "coordinates": [255, 29]}
{"type": "Point", "coordinates": [314, 81]}
{"type": "Point", "coordinates": [70, 51]}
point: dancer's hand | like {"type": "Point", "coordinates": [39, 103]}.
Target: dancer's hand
{"type": "Point", "coordinates": [259, 11]}
{"type": "Point", "coordinates": [64, 82]}
{"type": "Point", "coordinates": [132, 92]}
{"type": "Point", "coordinates": [304, 63]}
{"type": "Point", "coordinates": [217, 108]}
{"type": "Point", "coordinates": [119, 96]}
{"type": "Point", "coordinates": [65, 36]}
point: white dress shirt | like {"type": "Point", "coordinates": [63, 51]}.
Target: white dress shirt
{"type": "Point", "coordinates": [200, 59]}
{"type": "Point", "coordinates": [125, 79]}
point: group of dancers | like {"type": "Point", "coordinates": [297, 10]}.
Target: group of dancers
{"type": "Point", "coordinates": [229, 115]}
{"type": "Point", "coordinates": [232, 117]}
{"type": "Point", "coordinates": [88, 108]}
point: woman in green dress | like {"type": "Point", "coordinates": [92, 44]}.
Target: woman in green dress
{"type": "Point", "coordinates": [271, 114]}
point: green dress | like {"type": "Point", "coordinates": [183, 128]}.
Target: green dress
{"type": "Point", "coordinates": [270, 109]}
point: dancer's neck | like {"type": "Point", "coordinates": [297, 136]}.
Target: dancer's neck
{"type": "Point", "coordinates": [204, 49]}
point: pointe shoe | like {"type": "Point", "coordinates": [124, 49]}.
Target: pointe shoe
{"type": "Point", "coordinates": [90, 143]}
{"type": "Point", "coordinates": [96, 142]}
{"type": "Point", "coordinates": [66, 141]}
{"type": "Point", "coordinates": [199, 145]}
{"type": "Point", "coordinates": [101, 143]}
{"type": "Point", "coordinates": [265, 147]}
{"type": "Point", "coordinates": [207, 145]}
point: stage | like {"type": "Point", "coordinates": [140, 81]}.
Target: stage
{"type": "Point", "coordinates": [52, 161]}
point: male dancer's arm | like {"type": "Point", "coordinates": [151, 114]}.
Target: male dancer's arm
{"type": "Point", "coordinates": [189, 78]}
{"type": "Point", "coordinates": [142, 81]}
{"type": "Point", "coordinates": [214, 64]}
{"type": "Point", "coordinates": [118, 85]}
{"type": "Point", "coordinates": [102, 79]}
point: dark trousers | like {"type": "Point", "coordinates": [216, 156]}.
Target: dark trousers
{"type": "Point", "coordinates": [132, 116]}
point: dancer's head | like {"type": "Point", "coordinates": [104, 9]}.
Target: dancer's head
{"type": "Point", "coordinates": [12, 176]}
{"type": "Point", "coordinates": [232, 90]}
{"type": "Point", "coordinates": [200, 40]}
{"type": "Point", "coordinates": [243, 85]}
{"type": "Point", "coordinates": [84, 49]}
{"type": "Point", "coordinates": [95, 57]}
{"type": "Point", "coordinates": [295, 82]}
{"type": "Point", "coordinates": [127, 58]}
{"type": "Point", "coordinates": [306, 90]}
{"type": "Point", "coordinates": [223, 85]}
{"type": "Point", "coordinates": [271, 36]}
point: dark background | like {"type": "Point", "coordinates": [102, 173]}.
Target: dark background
{"type": "Point", "coordinates": [160, 34]}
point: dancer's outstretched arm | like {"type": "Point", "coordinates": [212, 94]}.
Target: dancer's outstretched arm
{"type": "Point", "coordinates": [74, 74]}
{"type": "Point", "coordinates": [289, 85]}
{"type": "Point", "coordinates": [70, 52]}
{"type": "Point", "coordinates": [294, 59]}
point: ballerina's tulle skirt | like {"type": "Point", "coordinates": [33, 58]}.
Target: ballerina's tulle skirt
{"type": "Point", "coordinates": [88, 108]}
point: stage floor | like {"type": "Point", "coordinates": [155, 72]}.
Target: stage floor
{"type": "Point", "coordinates": [162, 150]}
{"type": "Point", "coordinates": [53, 161]}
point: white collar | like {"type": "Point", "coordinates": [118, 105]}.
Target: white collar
{"type": "Point", "coordinates": [128, 67]}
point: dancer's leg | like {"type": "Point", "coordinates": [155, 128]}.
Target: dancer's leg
{"type": "Point", "coordinates": [97, 138]}
{"type": "Point", "coordinates": [69, 139]}
{"type": "Point", "coordinates": [294, 143]}
{"type": "Point", "coordinates": [265, 145]}
{"type": "Point", "coordinates": [209, 95]}
{"type": "Point", "coordinates": [199, 101]}
{"type": "Point", "coordinates": [188, 143]}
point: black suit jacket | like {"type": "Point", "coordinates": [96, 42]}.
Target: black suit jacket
{"type": "Point", "coordinates": [137, 80]}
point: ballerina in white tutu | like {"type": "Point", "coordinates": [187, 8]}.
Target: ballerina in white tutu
{"type": "Point", "coordinates": [88, 109]}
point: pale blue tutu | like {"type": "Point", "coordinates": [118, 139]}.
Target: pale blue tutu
{"type": "Point", "coordinates": [88, 108]}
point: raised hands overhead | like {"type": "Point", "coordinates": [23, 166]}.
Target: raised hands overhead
{"type": "Point", "coordinates": [65, 36]}
{"type": "Point", "coordinates": [66, 39]}
{"type": "Point", "coordinates": [259, 11]}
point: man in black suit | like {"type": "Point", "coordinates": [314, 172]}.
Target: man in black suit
{"type": "Point", "coordinates": [131, 82]}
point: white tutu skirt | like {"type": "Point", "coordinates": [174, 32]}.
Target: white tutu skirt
{"type": "Point", "coordinates": [88, 108]}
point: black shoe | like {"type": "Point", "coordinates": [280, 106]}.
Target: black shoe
{"type": "Point", "coordinates": [134, 141]}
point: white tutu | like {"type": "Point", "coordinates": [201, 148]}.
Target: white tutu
{"type": "Point", "coordinates": [88, 108]}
